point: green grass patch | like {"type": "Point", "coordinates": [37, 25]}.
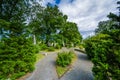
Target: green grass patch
{"type": "Point", "coordinates": [39, 57]}
{"type": "Point", "coordinates": [61, 70]}
{"type": "Point", "coordinates": [50, 49]}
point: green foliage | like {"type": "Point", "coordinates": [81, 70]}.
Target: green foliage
{"type": "Point", "coordinates": [112, 24]}
{"type": "Point", "coordinates": [43, 46]}
{"type": "Point", "coordinates": [61, 70]}
{"type": "Point", "coordinates": [37, 48]}
{"type": "Point", "coordinates": [17, 53]}
{"type": "Point", "coordinates": [81, 46]}
{"type": "Point", "coordinates": [92, 43]}
{"type": "Point", "coordinates": [64, 58]}
{"type": "Point", "coordinates": [12, 17]}
{"type": "Point", "coordinates": [71, 35]}
{"type": "Point", "coordinates": [52, 26]}
{"type": "Point", "coordinates": [17, 56]}
{"type": "Point", "coordinates": [12, 10]}
{"type": "Point", "coordinates": [50, 49]}
{"type": "Point", "coordinates": [51, 19]}
{"type": "Point", "coordinates": [103, 50]}
{"type": "Point", "coordinates": [17, 75]}
{"type": "Point", "coordinates": [58, 46]}
{"type": "Point", "coordinates": [39, 57]}
{"type": "Point", "coordinates": [105, 26]}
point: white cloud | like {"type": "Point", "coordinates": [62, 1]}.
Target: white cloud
{"type": "Point", "coordinates": [87, 13]}
{"type": "Point", "coordinates": [44, 2]}
{"type": "Point", "coordinates": [87, 33]}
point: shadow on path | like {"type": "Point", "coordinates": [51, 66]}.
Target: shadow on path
{"type": "Point", "coordinates": [83, 57]}
{"type": "Point", "coordinates": [81, 70]}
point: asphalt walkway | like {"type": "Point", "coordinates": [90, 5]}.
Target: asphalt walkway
{"type": "Point", "coordinates": [81, 70]}
{"type": "Point", "coordinates": [45, 69]}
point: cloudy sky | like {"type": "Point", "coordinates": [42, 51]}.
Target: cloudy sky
{"type": "Point", "coordinates": [86, 13]}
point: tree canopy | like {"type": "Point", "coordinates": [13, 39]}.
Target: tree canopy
{"type": "Point", "coordinates": [51, 22]}
{"type": "Point", "coordinates": [24, 23]}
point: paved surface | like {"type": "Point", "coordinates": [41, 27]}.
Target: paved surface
{"type": "Point", "coordinates": [81, 70]}
{"type": "Point", "coordinates": [45, 69]}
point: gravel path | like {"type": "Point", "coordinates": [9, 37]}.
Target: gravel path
{"type": "Point", "coordinates": [81, 70]}
{"type": "Point", "coordinates": [45, 69]}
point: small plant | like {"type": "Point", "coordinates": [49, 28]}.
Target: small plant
{"type": "Point", "coordinates": [57, 46]}
{"type": "Point", "coordinates": [81, 47]}
{"type": "Point", "coordinates": [64, 58]}
{"type": "Point", "coordinates": [36, 48]}
{"type": "Point", "coordinates": [43, 47]}
{"type": "Point", "coordinates": [50, 48]}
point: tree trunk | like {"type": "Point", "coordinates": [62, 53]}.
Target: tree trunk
{"type": "Point", "coordinates": [63, 43]}
{"type": "Point", "coordinates": [34, 39]}
{"type": "Point", "coordinates": [47, 40]}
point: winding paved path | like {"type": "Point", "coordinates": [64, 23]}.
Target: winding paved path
{"type": "Point", "coordinates": [45, 69]}
{"type": "Point", "coordinates": [81, 70]}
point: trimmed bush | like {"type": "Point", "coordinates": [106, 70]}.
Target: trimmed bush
{"type": "Point", "coordinates": [64, 58]}
{"type": "Point", "coordinates": [17, 57]}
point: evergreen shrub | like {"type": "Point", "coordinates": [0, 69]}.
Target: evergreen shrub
{"type": "Point", "coordinates": [17, 57]}
{"type": "Point", "coordinates": [104, 51]}
{"type": "Point", "coordinates": [64, 58]}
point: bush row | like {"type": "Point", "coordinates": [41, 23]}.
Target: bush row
{"type": "Point", "coordinates": [104, 51]}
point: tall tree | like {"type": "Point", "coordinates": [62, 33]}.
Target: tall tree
{"type": "Point", "coordinates": [17, 54]}
{"type": "Point", "coordinates": [52, 20]}
{"type": "Point", "coordinates": [14, 13]}
{"type": "Point", "coordinates": [71, 33]}
{"type": "Point", "coordinates": [35, 16]}
{"type": "Point", "coordinates": [105, 26]}
{"type": "Point", "coordinates": [111, 24]}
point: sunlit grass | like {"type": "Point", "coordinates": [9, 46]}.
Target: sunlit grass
{"type": "Point", "coordinates": [39, 57]}
{"type": "Point", "coordinates": [61, 70]}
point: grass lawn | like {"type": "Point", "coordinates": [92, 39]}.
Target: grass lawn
{"type": "Point", "coordinates": [39, 57]}
{"type": "Point", "coordinates": [51, 50]}
{"type": "Point", "coordinates": [62, 70]}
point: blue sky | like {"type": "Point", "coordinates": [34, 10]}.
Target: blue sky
{"type": "Point", "coordinates": [86, 13]}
